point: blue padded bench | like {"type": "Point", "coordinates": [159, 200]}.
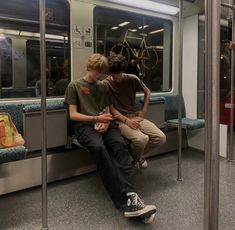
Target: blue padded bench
{"type": "Point", "coordinates": [12, 154]}
{"type": "Point", "coordinates": [52, 105]}
{"type": "Point", "coordinates": [16, 112]}
{"type": "Point", "coordinates": [171, 113]}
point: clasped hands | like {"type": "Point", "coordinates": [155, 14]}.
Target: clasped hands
{"type": "Point", "coordinates": [103, 121]}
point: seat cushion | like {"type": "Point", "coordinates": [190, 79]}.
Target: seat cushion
{"type": "Point", "coordinates": [187, 123]}
{"type": "Point", "coordinates": [50, 106]}
{"type": "Point", "coordinates": [12, 154]}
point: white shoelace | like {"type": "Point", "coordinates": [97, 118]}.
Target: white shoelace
{"type": "Point", "coordinates": [137, 201]}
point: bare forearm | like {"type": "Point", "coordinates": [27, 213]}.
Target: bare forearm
{"type": "Point", "coordinates": [83, 117]}
{"type": "Point", "coordinates": [146, 99]}
{"type": "Point", "coordinates": [117, 115]}
{"type": "Point", "coordinates": [76, 116]}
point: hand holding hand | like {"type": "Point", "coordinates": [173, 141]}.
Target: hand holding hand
{"type": "Point", "coordinates": [104, 118]}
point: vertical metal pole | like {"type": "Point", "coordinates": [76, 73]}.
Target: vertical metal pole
{"type": "Point", "coordinates": [179, 176]}
{"type": "Point", "coordinates": [230, 155]}
{"type": "Point", "coordinates": [0, 76]}
{"type": "Point", "coordinates": [43, 103]}
{"type": "Point", "coordinates": [64, 48]}
{"type": "Point", "coordinates": [212, 73]}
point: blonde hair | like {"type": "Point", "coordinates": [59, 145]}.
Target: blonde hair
{"type": "Point", "coordinates": [97, 62]}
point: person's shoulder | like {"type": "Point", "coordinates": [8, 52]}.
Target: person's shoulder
{"type": "Point", "coordinates": [131, 76]}
{"type": "Point", "coordinates": [103, 84]}
{"type": "Point", "coordinates": [107, 80]}
{"type": "Point", "coordinates": [75, 82]}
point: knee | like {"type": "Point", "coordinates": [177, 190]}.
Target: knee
{"type": "Point", "coordinates": [98, 150]}
{"type": "Point", "coordinates": [141, 140]}
{"type": "Point", "coordinates": [158, 139]}
{"type": "Point", "coordinates": [162, 139]}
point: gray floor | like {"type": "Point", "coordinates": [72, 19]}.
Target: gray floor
{"type": "Point", "coordinates": [81, 203]}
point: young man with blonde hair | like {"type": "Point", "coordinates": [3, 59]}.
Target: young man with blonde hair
{"type": "Point", "coordinates": [95, 129]}
{"type": "Point", "coordinates": [142, 133]}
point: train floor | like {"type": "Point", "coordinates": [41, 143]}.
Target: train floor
{"type": "Point", "coordinates": [81, 203]}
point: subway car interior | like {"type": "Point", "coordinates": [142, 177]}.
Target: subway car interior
{"type": "Point", "coordinates": [185, 58]}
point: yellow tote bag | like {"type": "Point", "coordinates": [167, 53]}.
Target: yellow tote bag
{"type": "Point", "coordinates": [9, 135]}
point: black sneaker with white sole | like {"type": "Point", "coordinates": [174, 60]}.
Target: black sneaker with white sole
{"type": "Point", "coordinates": [136, 207]}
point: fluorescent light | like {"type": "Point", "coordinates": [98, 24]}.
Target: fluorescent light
{"type": "Point", "coordinates": [148, 5]}
{"type": "Point", "coordinates": [156, 31]}
{"type": "Point", "coordinates": [133, 30]}
{"type": "Point", "coordinates": [114, 28]}
{"type": "Point", "coordinates": [143, 27]}
{"type": "Point", "coordinates": [123, 24]}
{"type": "Point", "coordinates": [56, 37]}
{"type": "Point", "coordinates": [10, 32]}
{"type": "Point", "coordinates": [37, 35]}
{"type": "Point", "coordinates": [29, 34]}
{"type": "Point", "coordinates": [159, 47]}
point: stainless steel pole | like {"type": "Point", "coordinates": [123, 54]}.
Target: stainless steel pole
{"type": "Point", "coordinates": [43, 113]}
{"type": "Point", "coordinates": [212, 74]}
{"type": "Point", "coordinates": [0, 78]}
{"type": "Point", "coordinates": [179, 176]}
{"type": "Point", "coordinates": [230, 155]}
{"type": "Point", "coordinates": [64, 48]}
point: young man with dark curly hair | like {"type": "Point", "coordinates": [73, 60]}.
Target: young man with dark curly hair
{"type": "Point", "coordinates": [142, 133]}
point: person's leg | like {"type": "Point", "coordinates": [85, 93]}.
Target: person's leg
{"type": "Point", "coordinates": [156, 136]}
{"type": "Point", "coordinates": [129, 203]}
{"type": "Point", "coordinates": [118, 151]}
{"type": "Point", "coordinates": [93, 141]}
{"type": "Point", "coordinates": [138, 140]}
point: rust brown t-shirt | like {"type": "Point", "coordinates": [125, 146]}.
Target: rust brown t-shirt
{"type": "Point", "coordinates": [123, 92]}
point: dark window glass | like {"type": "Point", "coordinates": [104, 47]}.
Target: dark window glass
{"type": "Point", "coordinates": [6, 61]}
{"type": "Point", "coordinates": [145, 41]}
{"type": "Point", "coordinates": [225, 68]}
{"type": "Point", "coordinates": [57, 63]}
{"type": "Point", "coordinates": [20, 58]}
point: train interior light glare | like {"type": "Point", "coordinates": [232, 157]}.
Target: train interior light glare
{"type": "Point", "coordinates": [149, 5]}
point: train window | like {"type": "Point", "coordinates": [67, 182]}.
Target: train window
{"type": "Point", "coordinates": [145, 41]}
{"type": "Point", "coordinates": [5, 61]}
{"type": "Point", "coordinates": [57, 62]}
{"type": "Point", "coordinates": [20, 53]}
{"type": "Point", "coordinates": [225, 66]}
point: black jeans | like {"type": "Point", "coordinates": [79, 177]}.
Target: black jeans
{"type": "Point", "coordinates": [112, 158]}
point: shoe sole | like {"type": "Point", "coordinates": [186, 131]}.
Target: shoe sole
{"type": "Point", "coordinates": [143, 213]}
{"type": "Point", "coordinates": [149, 220]}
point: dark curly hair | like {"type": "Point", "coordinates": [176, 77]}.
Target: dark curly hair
{"type": "Point", "coordinates": [117, 63]}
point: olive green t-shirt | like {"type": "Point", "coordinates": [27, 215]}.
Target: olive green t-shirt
{"type": "Point", "coordinates": [90, 98]}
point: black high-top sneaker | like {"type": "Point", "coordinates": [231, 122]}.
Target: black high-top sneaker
{"type": "Point", "coordinates": [136, 207]}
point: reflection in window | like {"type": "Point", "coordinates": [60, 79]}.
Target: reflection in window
{"type": "Point", "coordinates": [20, 62]}
{"type": "Point", "coordinates": [57, 71]}
{"type": "Point", "coordinates": [144, 41]}
{"type": "Point", "coordinates": [5, 61]}
{"type": "Point", "coordinates": [225, 68]}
